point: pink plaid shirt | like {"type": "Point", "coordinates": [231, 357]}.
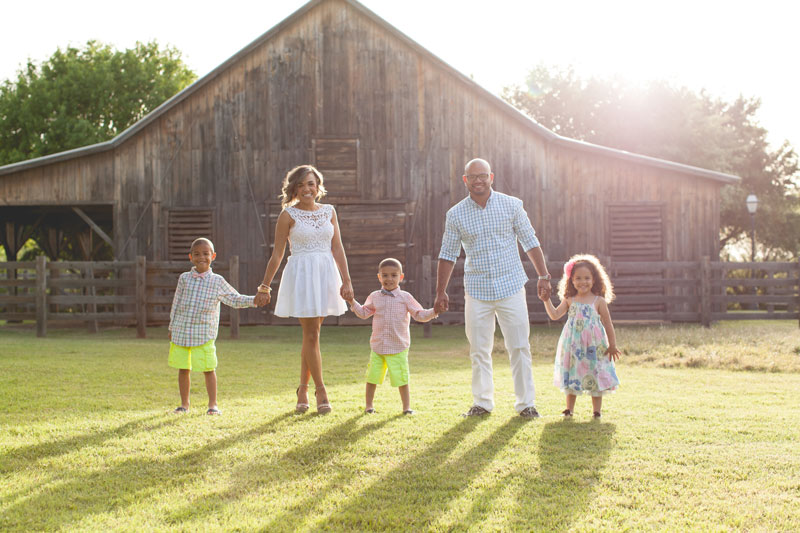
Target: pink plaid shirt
{"type": "Point", "coordinates": [194, 317]}
{"type": "Point", "coordinates": [390, 326]}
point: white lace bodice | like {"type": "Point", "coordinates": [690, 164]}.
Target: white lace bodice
{"type": "Point", "coordinates": [312, 231]}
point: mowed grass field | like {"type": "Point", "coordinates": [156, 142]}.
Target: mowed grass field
{"type": "Point", "coordinates": [703, 435]}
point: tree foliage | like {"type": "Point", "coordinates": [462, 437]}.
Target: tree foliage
{"type": "Point", "coordinates": [677, 124]}
{"type": "Point", "coordinates": [84, 96]}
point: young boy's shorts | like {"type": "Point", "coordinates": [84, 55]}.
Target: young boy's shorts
{"type": "Point", "coordinates": [202, 358]}
{"type": "Point", "coordinates": [396, 364]}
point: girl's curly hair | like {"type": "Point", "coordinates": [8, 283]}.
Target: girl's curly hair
{"type": "Point", "coordinates": [292, 181]}
{"type": "Point", "coordinates": [601, 285]}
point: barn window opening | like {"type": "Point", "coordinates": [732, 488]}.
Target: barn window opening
{"type": "Point", "coordinates": [337, 159]}
{"type": "Point", "coordinates": [184, 226]}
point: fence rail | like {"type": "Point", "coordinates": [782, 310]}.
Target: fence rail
{"type": "Point", "coordinates": [140, 292]}
{"type": "Point", "coordinates": [676, 291]}
{"type": "Point", "coordinates": [122, 292]}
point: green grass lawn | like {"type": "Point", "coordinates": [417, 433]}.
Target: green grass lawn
{"type": "Point", "coordinates": [703, 435]}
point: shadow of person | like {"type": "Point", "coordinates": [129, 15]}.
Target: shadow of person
{"type": "Point", "coordinates": [291, 469]}
{"type": "Point", "coordinates": [88, 492]}
{"type": "Point", "coordinates": [572, 456]}
{"type": "Point", "coordinates": [421, 488]}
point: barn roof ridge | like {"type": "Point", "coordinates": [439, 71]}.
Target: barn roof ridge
{"type": "Point", "coordinates": [549, 135]}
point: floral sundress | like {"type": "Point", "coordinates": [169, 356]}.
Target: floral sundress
{"type": "Point", "coordinates": [581, 364]}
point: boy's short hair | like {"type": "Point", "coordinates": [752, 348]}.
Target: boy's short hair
{"type": "Point", "coordinates": [201, 240]}
{"type": "Point", "coordinates": [391, 262]}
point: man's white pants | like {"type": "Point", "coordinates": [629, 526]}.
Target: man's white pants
{"type": "Point", "coordinates": [512, 314]}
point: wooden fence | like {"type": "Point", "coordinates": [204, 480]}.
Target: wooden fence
{"type": "Point", "coordinates": [140, 292]}
{"type": "Point", "coordinates": [679, 291]}
{"type": "Point", "coordinates": [121, 292]}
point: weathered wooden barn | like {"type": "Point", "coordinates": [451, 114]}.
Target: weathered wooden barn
{"type": "Point", "coordinates": [389, 124]}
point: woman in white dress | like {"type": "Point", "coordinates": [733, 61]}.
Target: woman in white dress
{"type": "Point", "coordinates": [315, 282]}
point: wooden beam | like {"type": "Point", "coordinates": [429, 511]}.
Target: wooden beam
{"type": "Point", "coordinates": [94, 226]}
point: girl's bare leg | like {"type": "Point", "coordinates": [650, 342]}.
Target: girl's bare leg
{"type": "Point", "coordinates": [597, 403]}
{"type": "Point", "coordinates": [571, 402]}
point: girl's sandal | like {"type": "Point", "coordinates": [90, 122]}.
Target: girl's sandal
{"type": "Point", "coordinates": [596, 415]}
{"type": "Point", "coordinates": [180, 410]}
{"type": "Point", "coordinates": [323, 408]}
{"type": "Point", "coordinates": [300, 407]}
{"type": "Point", "coordinates": [566, 413]}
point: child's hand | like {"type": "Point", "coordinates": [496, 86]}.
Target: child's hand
{"type": "Point", "coordinates": [613, 353]}
{"type": "Point", "coordinates": [545, 297]}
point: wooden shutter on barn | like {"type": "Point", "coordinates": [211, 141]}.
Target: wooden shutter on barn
{"type": "Point", "coordinates": [337, 159]}
{"type": "Point", "coordinates": [636, 233]}
{"type": "Point", "coordinates": [184, 225]}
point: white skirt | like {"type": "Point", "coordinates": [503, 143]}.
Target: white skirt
{"type": "Point", "coordinates": [310, 287]}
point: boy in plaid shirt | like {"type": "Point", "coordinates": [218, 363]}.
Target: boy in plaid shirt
{"type": "Point", "coordinates": [194, 322]}
{"type": "Point", "coordinates": [391, 336]}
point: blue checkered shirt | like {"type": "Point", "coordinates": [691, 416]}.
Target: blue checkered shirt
{"type": "Point", "coordinates": [493, 269]}
{"type": "Point", "coordinates": [194, 317]}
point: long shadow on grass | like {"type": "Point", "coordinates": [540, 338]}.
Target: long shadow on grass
{"type": "Point", "coordinates": [413, 495]}
{"type": "Point", "coordinates": [292, 468]}
{"type": "Point", "coordinates": [63, 504]}
{"type": "Point", "coordinates": [24, 456]}
{"type": "Point", "coordinates": [572, 457]}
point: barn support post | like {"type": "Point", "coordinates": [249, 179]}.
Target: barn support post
{"type": "Point", "coordinates": [426, 292]}
{"type": "Point", "coordinates": [234, 277]}
{"type": "Point", "coordinates": [705, 291]}
{"type": "Point", "coordinates": [88, 275]}
{"type": "Point", "coordinates": [41, 296]}
{"type": "Point", "coordinates": [141, 296]}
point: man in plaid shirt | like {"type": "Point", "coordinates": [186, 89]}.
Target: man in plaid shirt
{"type": "Point", "coordinates": [391, 309]}
{"type": "Point", "coordinates": [194, 322]}
{"type": "Point", "coordinates": [488, 225]}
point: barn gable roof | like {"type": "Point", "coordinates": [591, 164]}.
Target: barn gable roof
{"type": "Point", "coordinates": [503, 106]}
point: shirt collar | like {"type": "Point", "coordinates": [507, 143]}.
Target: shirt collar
{"type": "Point", "coordinates": [201, 275]}
{"type": "Point", "coordinates": [476, 205]}
{"type": "Point", "coordinates": [390, 293]}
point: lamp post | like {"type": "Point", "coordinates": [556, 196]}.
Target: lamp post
{"type": "Point", "coordinates": [752, 205]}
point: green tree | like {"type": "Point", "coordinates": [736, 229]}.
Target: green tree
{"type": "Point", "coordinates": [677, 124]}
{"type": "Point", "coordinates": [84, 96]}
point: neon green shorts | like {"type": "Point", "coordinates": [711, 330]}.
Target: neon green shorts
{"type": "Point", "coordinates": [202, 358]}
{"type": "Point", "coordinates": [396, 364]}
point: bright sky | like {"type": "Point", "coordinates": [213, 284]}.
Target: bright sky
{"type": "Point", "coordinates": [727, 47]}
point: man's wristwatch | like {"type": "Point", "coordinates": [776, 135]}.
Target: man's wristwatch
{"type": "Point", "coordinates": [547, 277]}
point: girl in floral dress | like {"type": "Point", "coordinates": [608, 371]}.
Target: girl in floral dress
{"type": "Point", "coordinates": [587, 348]}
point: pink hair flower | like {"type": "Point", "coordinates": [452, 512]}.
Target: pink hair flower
{"type": "Point", "coordinates": [568, 268]}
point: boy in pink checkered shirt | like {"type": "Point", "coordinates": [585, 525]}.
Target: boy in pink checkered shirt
{"type": "Point", "coordinates": [391, 336]}
{"type": "Point", "coordinates": [194, 322]}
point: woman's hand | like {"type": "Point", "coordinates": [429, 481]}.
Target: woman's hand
{"type": "Point", "coordinates": [346, 291]}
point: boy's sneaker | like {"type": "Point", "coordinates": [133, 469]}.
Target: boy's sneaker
{"type": "Point", "coordinates": [476, 410]}
{"type": "Point", "coordinates": [529, 412]}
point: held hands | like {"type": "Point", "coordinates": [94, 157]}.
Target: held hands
{"type": "Point", "coordinates": [543, 289]}
{"type": "Point", "coordinates": [263, 296]}
{"type": "Point", "coordinates": [262, 299]}
{"type": "Point", "coordinates": [442, 303]}
{"type": "Point", "coordinates": [346, 291]}
{"type": "Point", "coordinates": [613, 353]}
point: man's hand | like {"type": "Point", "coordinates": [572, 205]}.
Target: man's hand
{"type": "Point", "coordinates": [442, 303]}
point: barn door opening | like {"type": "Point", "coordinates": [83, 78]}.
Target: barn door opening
{"type": "Point", "coordinates": [636, 234]}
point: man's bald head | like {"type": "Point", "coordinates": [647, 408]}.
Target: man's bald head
{"type": "Point", "coordinates": [478, 166]}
